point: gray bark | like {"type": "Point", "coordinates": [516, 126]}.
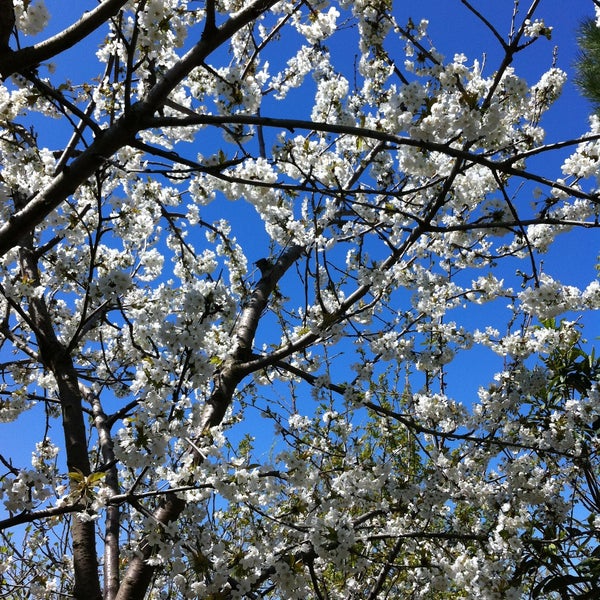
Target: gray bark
{"type": "Point", "coordinates": [56, 359]}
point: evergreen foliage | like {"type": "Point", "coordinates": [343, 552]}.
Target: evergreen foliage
{"type": "Point", "coordinates": [588, 62]}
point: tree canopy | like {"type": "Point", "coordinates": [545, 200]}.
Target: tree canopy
{"type": "Point", "coordinates": [276, 320]}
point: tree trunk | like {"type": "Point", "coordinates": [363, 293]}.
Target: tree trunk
{"type": "Point", "coordinates": [56, 359]}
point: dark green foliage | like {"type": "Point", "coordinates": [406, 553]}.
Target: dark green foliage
{"type": "Point", "coordinates": [588, 62]}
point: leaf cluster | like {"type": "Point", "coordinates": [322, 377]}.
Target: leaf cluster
{"type": "Point", "coordinates": [588, 61]}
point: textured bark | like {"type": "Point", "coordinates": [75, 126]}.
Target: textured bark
{"type": "Point", "coordinates": [139, 574]}
{"type": "Point", "coordinates": [7, 23]}
{"type": "Point", "coordinates": [55, 358]}
{"type": "Point", "coordinates": [29, 57]}
{"type": "Point", "coordinates": [240, 363]}
{"type": "Point", "coordinates": [113, 512]}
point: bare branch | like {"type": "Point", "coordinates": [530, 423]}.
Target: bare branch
{"type": "Point", "coordinates": [29, 517]}
{"type": "Point", "coordinates": [26, 58]}
{"type": "Point", "coordinates": [111, 538]}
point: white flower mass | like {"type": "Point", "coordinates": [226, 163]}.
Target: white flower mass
{"type": "Point", "coordinates": [288, 303]}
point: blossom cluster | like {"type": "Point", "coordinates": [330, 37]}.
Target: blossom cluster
{"type": "Point", "coordinates": [396, 410]}
{"type": "Point", "coordinates": [31, 17]}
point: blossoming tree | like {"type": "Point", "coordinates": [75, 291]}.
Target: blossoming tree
{"type": "Point", "coordinates": [244, 245]}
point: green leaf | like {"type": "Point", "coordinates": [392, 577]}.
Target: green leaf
{"type": "Point", "coordinates": [76, 476]}
{"type": "Point", "coordinates": [96, 477]}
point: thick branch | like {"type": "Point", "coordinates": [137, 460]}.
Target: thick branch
{"type": "Point", "coordinates": [64, 184]}
{"type": "Point", "coordinates": [240, 364]}
{"type": "Point", "coordinates": [139, 573]}
{"type": "Point", "coordinates": [55, 358]}
{"type": "Point", "coordinates": [111, 538]}
{"type": "Point", "coordinates": [29, 517]}
{"type": "Point", "coordinates": [121, 133]}
{"type": "Point", "coordinates": [26, 58]}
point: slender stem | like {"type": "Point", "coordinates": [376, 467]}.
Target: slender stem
{"type": "Point", "coordinates": [111, 536]}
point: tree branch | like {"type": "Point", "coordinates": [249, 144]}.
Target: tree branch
{"type": "Point", "coordinates": [111, 537]}
{"type": "Point", "coordinates": [139, 573]}
{"type": "Point", "coordinates": [121, 133]}
{"type": "Point", "coordinates": [240, 364]}
{"type": "Point", "coordinates": [55, 358]}
{"type": "Point", "coordinates": [28, 517]}
{"type": "Point", "coordinates": [505, 165]}
{"type": "Point", "coordinates": [26, 58]}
